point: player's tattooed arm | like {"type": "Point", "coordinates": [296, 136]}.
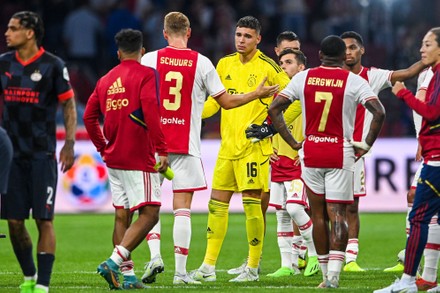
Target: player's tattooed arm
{"type": "Point", "coordinates": [70, 121]}
{"type": "Point", "coordinates": [276, 109]}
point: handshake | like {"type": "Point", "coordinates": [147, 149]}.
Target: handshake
{"type": "Point", "coordinates": [259, 132]}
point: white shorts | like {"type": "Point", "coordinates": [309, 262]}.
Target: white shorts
{"type": "Point", "coordinates": [359, 178]}
{"type": "Point", "coordinates": [416, 176]}
{"type": "Point", "coordinates": [189, 175]}
{"type": "Point", "coordinates": [282, 193]}
{"type": "Point", "coordinates": [132, 189]}
{"type": "Point", "coordinates": [335, 184]}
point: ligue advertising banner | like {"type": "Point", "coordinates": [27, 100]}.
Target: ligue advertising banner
{"type": "Point", "coordinates": [389, 172]}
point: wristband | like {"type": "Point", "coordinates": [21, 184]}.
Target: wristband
{"type": "Point", "coordinates": [361, 145]}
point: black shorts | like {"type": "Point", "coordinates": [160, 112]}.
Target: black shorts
{"type": "Point", "coordinates": [32, 185]}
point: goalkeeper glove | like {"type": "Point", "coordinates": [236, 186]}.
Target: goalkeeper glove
{"type": "Point", "coordinates": [259, 132]}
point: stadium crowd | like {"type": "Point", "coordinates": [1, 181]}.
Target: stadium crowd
{"type": "Point", "coordinates": [391, 33]}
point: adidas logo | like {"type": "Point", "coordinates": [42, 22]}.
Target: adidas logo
{"type": "Point", "coordinates": [153, 236]}
{"type": "Point", "coordinates": [209, 231]}
{"type": "Point", "coordinates": [254, 242]}
{"type": "Point", "coordinates": [177, 250]}
{"type": "Point", "coordinates": [251, 181]}
{"type": "Point", "coordinates": [116, 87]}
{"type": "Point", "coordinates": [228, 77]}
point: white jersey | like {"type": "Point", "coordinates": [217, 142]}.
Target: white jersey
{"type": "Point", "coordinates": [422, 84]}
{"type": "Point", "coordinates": [329, 97]}
{"type": "Point", "coordinates": [186, 79]}
{"type": "Point", "coordinates": [378, 79]}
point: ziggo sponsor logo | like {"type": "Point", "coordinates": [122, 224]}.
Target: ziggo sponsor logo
{"type": "Point", "coordinates": [319, 139]}
{"type": "Point", "coordinates": [116, 104]}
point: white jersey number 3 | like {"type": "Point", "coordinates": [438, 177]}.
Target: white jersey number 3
{"type": "Point", "coordinates": [174, 91]}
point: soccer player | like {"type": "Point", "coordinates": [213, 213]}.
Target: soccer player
{"type": "Point", "coordinates": [287, 191]}
{"type": "Point", "coordinates": [186, 77]}
{"type": "Point", "coordinates": [242, 166]}
{"type": "Point", "coordinates": [33, 83]}
{"type": "Point", "coordinates": [285, 40]}
{"type": "Point", "coordinates": [329, 96]}
{"type": "Point", "coordinates": [128, 98]}
{"type": "Point", "coordinates": [426, 202]}
{"type": "Point", "coordinates": [378, 79]}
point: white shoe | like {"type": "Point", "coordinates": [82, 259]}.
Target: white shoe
{"type": "Point", "coordinates": [184, 279]}
{"type": "Point", "coordinates": [152, 268]}
{"type": "Point", "coordinates": [435, 289]}
{"type": "Point", "coordinates": [398, 286]}
{"type": "Point", "coordinates": [238, 270]}
{"type": "Point", "coordinates": [334, 283]}
{"type": "Point", "coordinates": [248, 275]}
{"type": "Point", "coordinates": [200, 275]}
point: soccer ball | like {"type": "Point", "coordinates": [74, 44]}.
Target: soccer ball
{"type": "Point", "coordinates": [401, 256]}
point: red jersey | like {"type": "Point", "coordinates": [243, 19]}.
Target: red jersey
{"type": "Point", "coordinates": [329, 97]}
{"type": "Point", "coordinates": [186, 79]}
{"type": "Point", "coordinates": [429, 136]}
{"type": "Point", "coordinates": [128, 97]}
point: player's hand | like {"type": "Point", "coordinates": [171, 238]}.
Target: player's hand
{"type": "Point", "coordinates": [360, 148]}
{"type": "Point", "coordinates": [163, 166]}
{"type": "Point", "coordinates": [67, 156]}
{"type": "Point", "coordinates": [266, 91]}
{"type": "Point", "coordinates": [258, 132]}
{"type": "Point", "coordinates": [397, 87]}
{"type": "Point", "coordinates": [296, 161]}
{"type": "Point", "coordinates": [274, 157]}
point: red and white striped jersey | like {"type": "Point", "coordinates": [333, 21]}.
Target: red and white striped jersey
{"type": "Point", "coordinates": [329, 97]}
{"type": "Point", "coordinates": [186, 79]}
{"type": "Point", "coordinates": [378, 79]}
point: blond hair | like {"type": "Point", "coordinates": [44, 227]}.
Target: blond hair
{"type": "Point", "coordinates": [176, 23]}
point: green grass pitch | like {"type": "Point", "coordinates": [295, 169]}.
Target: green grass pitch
{"type": "Point", "coordinates": [84, 240]}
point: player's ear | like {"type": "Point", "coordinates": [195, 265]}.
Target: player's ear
{"type": "Point", "coordinates": [188, 33]}
{"type": "Point", "coordinates": [143, 51]}
{"type": "Point", "coordinates": [119, 54]}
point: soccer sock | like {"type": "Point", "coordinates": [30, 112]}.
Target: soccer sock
{"type": "Point", "coordinates": [296, 244]}
{"type": "Point", "coordinates": [410, 205]}
{"type": "Point", "coordinates": [217, 226]}
{"type": "Point", "coordinates": [432, 252]}
{"type": "Point", "coordinates": [335, 260]}
{"type": "Point", "coordinates": [323, 263]}
{"type": "Point", "coordinates": [306, 232]}
{"type": "Point", "coordinates": [119, 255]}
{"type": "Point", "coordinates": [254, 229]}
{"type": "Point", "coordinates": [352, 250]}
{"type": "Point", "coordinates": [182, 238]}
{"type": "Point", "coordinates": [26, 260]}
{"type": "Point", "coordinates": [45, 264]}
{"type": "Point", "coordinates": [127, 268]}
{"type": "Point", "coordinates": [305, 226]}
{"type": "Point", "coordinates": [284, 237]}
{"type": "Point", "coordinates": [153, 240]}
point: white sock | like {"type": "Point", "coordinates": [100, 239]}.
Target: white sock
{"type": "Point", "coordinates": [119, 254]}
{"type": "Point", "coordinates": [303, 221]}
{"type": "Point", "coordinates": [207, 268]}
{"type": "Point", "coordinates": [296, 244]}
{"type": "Point", "coordinates": [127, 268]}
{"type": "Point", "coordinates": [306, 232]}
{"type": "Point", "coordinates": [352, 250]}
{"type": "Point", "coordinates": [410, 205]}
{"type": "Point", "coordinates": [153, 240]}
{"type": "Point", "coordinates": [335, 260]}
{"type": "Point", "coordinates": [284, 237]}
{"type": "Point", "coordinates": [323, 263]}
{"type": "Point", "coordinates": [182, 238]}
{"type": "Point", "coordinates": [432, 252]}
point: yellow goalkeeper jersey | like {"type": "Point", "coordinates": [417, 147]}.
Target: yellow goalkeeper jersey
{"type": "Point", "coordinates": [297, 132]}
{"type": "Point", "coordinates": [239, 78]}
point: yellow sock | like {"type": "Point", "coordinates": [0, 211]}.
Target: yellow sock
{"type": "Point", "coordinates": [254, 229]}
{"type": "Point", "coordinates": [217, 227]}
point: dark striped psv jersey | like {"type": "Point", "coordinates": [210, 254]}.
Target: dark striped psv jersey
{"type": "Point", "coordinates": [31, 91]}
